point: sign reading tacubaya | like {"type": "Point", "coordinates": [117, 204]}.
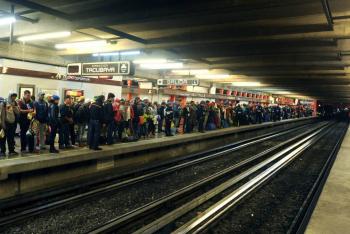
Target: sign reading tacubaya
{"type": "Point", "coordinates": [97, 69]}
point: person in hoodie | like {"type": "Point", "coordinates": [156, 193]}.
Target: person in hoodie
{"type": "Point", "coordinates": [41, 109]}
{"type": "Point", "coordinates": [108, 113]}
{"type": "Point", "coordinates": [81, 118]}
{"type": "Point", "coordinates": [96, 120]}
{"type": "Point", "coordinates": [54, 121]}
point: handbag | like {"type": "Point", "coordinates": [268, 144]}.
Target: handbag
{"type": "Point", "coordinates": [2, 134]}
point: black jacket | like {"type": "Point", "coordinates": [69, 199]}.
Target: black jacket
{"type": "Point", "coordinates": [108, 112]}
{"type": "Point", "coordinates": [96, 111]}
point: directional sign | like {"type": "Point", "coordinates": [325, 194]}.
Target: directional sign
{"type": "Point", "coordinates": [99, 69]}
{"type": "Point", "coordinates": [166, 82]}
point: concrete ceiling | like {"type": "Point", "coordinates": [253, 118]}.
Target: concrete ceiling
{"type": "Point", "coordinates": [293, 45]}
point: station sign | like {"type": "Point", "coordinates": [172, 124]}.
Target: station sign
{"type": "Point", "coordinates": [100, 69]}
{"type": "Point", "coordinates": [166, 82]}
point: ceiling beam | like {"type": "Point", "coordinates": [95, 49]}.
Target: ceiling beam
{"type": "Point", "coordinates": [59, 14]}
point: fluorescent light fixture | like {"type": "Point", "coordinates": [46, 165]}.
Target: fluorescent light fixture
{"type": "Point", "coordinates": [43, 36]}
{"type": "Point", "coordinates": [161, 65]}
{"type": "Point", "coordinates": [7, 20]}
{"type": "Point", "coordinates": [117, 53]}
{"type": "Point", "coordinates": [246, 84]}
{"type": "Point", "coordinates": [81, 44]}
{"type": "Point", "coordinates": [131, 52]}
{"type": "Point", "coordinates": [190, 72]}
{"type": "Point", "coordinates": [281, 92]}
{"type": "Point", "coordinates": [213, 76]}
{"type": "Point", "coordinates": [149, 61]}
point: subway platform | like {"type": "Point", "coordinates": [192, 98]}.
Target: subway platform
{"type": "Point", "coordinates": [332, 212]}
{"type": "Point", "coordinates": [36, 172]}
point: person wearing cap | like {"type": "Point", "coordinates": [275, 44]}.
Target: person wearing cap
{"type": "Point", "coordinates": [96, 120]}
{"type": "Point", "coordinates": [54, 121]}
{"type": "Point", "coordinates": [41, 109]}
{"type": "Point", "coordinates": [26, 107]}
{"type": "Point", "coordinates": [108, 114]}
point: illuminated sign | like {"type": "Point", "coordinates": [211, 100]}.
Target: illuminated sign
{"type": "Point", "coordinates": [99, 69]}
{"type": "Point", "coordinates": [166, 82]}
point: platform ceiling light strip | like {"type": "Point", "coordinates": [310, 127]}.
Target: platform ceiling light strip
{"type": "Point", "coordinates": [7, 20]}
{"type": "Point", "coordinates": [81, 44]}
{"type": "Point", "coordinates": [150, 61]}
{"type": "Point", "coordinates": [213, 76]}
{"type": "Point", "coordinates": [44, 36]}
{"type": "Point", "coordinates": [161, 65]}
{"type": "Point", "coordinates": [246, 84]}
{"type": "Point", "coordinates": [117, 53]}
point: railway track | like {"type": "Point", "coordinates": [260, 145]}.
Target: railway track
{"type": "Point", "coordinates": [187, 161]}
{"type": "Point", "coordinates": [243, 178]}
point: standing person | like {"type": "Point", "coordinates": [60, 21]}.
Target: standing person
{"type": "Point", "coordinates": [96, 119]}
{"type": "Point", "coordinates": [41, 109]}
{"type": "Point", "coordinates": [54, 122]}
{"type": "Point", "coordinates": [66, 114]}
{"type": "Point", "coordinates": [201, 113]}
{"type": "Point", "coordinates": [169, 116]}
{"type": "Point", "coordinates": [26, 107]}
{"type": "Point", "coordinates": [259, 114]}
{"type": "Point", "coordinates": [12, 114]}
{"type": "Point", "coordinates": [108, 113]}
{"type": "Point", "coordinates": [72, 124]}
{"type": "Point", "coordinates": [161, 117]}
{"type": "Point", "coordinates": [81, 118]}
{"type": "Point", "coordinates": [138, 112]}
{"type": "Point", "coordinates": [2, 128]}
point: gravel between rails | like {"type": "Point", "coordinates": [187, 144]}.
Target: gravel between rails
{"type": "Point", "coordinates": [89, 214]}
{"type": "Point", "coordinates": [273, 207]}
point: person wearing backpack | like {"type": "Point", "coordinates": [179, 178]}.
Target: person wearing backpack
{"type": "Point", "coordinates": [41, 109]}
{"type": "Point", "coordinates": [81, 118]}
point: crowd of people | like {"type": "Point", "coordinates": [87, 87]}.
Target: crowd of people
{"type": "Point", "coordinates": [107, 120]}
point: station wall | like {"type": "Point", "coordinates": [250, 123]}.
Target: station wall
{"type": "Point", "coordinates": [10, 83]}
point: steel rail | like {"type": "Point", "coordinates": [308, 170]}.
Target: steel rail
{"type": "Point", "coordinates": [24, 214]}
{"type": "Point", "coordinates": [213, 213]}
{"type": "Point", "coordinates": [136, 214]}
{"type": "Point", "coordinates": [301, 220]}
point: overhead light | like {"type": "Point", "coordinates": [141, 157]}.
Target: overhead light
{"type": "Point", "coordinates": [190, 72]}
{"type": "Point", "coordinates": [81, 44]}
{"type": "Point", "coordinates": [161, 65]}
{"type": "Point", "coordinates": [43, 36]}
{"type": "Point", "coordinates": [213, 76]}
{"type": "Point", "coordinates": [131, 52]}
{"type": "Point", "coordinates": [7, 20]}
{"type": "Point", "coordinates": [282, 92]}
{"type": "Point", "coordinates": [149, 61]}
{"type": "Point", "coordinates": [246, 84]}
{"type": "Point", "coordinates": [117, 53]}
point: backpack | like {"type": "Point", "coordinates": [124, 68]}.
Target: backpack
{"type": "Point", "coordinates": [10, 114]}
